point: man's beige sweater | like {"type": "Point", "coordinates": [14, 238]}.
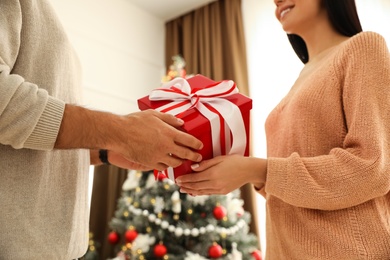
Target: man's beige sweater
{"type": "Point", "coordinates": [328, 183]}
{"type": "Point", "coordinates": [43, 192]}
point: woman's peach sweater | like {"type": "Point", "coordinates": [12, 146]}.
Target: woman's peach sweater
{"type": "Point", "coordinates": [328, 141]}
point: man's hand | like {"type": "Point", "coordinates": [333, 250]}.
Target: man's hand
{"type": "Point", "coordinates": [121, 162]}
{"type": "Point", "coordinates": [147, 139]}
{"type": "Point", "coordinates": [117, 160]}
{"type": "Point", "coordinates": [152, 139]}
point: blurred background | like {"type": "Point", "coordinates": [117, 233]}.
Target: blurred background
{"type": "Point", "coordinates": [124, 49]}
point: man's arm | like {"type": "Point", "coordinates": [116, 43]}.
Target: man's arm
{"type": "Point", "coordinates": [148, 138]}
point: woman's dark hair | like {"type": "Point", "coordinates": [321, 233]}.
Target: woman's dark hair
{"type": "Point", "coordinates": [342, 15]}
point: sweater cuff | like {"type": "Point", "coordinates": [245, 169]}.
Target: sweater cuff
{"type": "Point", "coordinates": [277, 176]}
{"type": "Point", "coordinates": [45, 132]}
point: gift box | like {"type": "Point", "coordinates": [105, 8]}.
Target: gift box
{"type": "Point", "coordinates": [213, 112]}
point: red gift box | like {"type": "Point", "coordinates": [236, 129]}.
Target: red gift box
{"type": "Point", "coordinates": [200, 127]}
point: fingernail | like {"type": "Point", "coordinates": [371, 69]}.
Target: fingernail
{"type": "Point", "coordinates": [194, 166]}
{"type": "Point", "coordinates": [180, 121]}
{"type": "Point", "coordinates": [182, 191]}
{"type": "Point", "coordinates": [178, 182]}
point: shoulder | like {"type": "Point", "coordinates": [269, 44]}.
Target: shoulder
{"type": "Point", "coordinates": [366, 43]}
{"type": "Point", "coordinates": [364, 49]}
{"type": "Point", "coordinates": [10, 29]}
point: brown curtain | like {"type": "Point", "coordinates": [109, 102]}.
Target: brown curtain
{"type": "Point", "coordinates": [211, 40]}
{"type": "Point", "coordinates": [107, 188]}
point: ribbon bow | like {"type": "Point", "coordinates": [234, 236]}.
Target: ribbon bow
{"type": "Point", "coordinates": [210, 102]}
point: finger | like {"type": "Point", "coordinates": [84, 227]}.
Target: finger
{"type": "Point", "coordinates": [188, 140]}
{"type": "Point", "coordinates": [172, 161]}
{"type": "Point", "coordinates": [169, 161]}
{"type": "Point", "coordinates": [170, 119]}
{"type": "Point", "coordinates": [193, 179]}
{"type": "Point", "coordinates": [206, 164]}
{"type": "Point", "coordinates": [160, 166]}
{"type": "Point", "coordinates": [185, 153]}
{"type": "Point", "coordinates": [200, 192]}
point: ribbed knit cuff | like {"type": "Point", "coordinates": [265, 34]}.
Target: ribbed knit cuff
{"type": "Point", "coordinates": [45, 133]}
{"type": "Point", "coordinates": [277, 176]}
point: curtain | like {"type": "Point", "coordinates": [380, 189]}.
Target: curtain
{"type": "Point", "coordinates": [211, 40]}
{"type": "Point", "coordinates": [107, 188]}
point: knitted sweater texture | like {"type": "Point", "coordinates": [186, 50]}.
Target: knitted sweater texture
{"type": "Point", "coordinates": [43, 192]}
{"type": "Point", "coordinates": [328, 141]}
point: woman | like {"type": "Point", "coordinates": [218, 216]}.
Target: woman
{"type": "Point", "coordinates": [326, 178]}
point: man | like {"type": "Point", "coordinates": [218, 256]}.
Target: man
{"type": "Point", "coordinates": [47, 141]}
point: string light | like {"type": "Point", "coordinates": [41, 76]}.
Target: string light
{"type": "Point", "coordinates": [194, 232]}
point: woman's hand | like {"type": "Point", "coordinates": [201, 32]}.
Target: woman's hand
{"type": "Point", "coordinates": [223, 174]}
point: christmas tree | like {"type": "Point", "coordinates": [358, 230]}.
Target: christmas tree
{"type": "Point", "coordinates": [91, 253]}
{"type": "Point", "coordinates": [154, 220]}
{"type": "Point", "coordinates": [176, 69]}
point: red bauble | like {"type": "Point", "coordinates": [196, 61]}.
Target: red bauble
{"type": "Point", "coordinates": [113, 237]}
{"type": "Point", "coordinates": [160, 176]}
{"type": "Point", "coordinates": [160, 250]}
{"type": "Point", "coordinates": [130, 235]}
{"type": "Point", "coordinates": [219, 212]}
{"type": "Point", "coordinates": [257, 255]}
{"type": "Point", "coordinates": [215, 251]}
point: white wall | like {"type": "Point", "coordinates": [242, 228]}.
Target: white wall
{"type": "Point", "coordinates": [121, 48]}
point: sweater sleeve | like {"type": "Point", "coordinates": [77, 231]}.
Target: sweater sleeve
{"type": "Point", "coordinates": [29, 117]}
{"type": "Point", "coordinates": [360, 170]}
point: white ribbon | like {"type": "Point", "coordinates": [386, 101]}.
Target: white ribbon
{"type": "Point", "coordinates": [179, 92]}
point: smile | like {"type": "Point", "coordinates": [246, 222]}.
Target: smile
{"type": "Point", "coordinates": [284, 12]}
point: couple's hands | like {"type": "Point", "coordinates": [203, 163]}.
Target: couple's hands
{"type": "Point", "coordinates": [223, 174]}
{"type": "Point", "coordinates": [153, 141]}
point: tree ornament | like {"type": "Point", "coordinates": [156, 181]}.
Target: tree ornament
{"type": "Point", "coordinates": [160, 250]}
{"type": "Point", "coordinates": [193, 256]}
{"type": "Point", "coordinates": [176, 202]}
{"type": "Point", "coordinates": [142, 243]}
{"type": "Point", "coordinates": [131, 234]}
{"type": "Point", "coordinates": [235, 254]}
{"type": "Point", "coordinates": [198, 200]}
{"type": "Point", "coordinates": [121, 256]}
{"type": "Point", "coordinates": [215, 251]}
{"type": "Point", "coordinates": [235, 209]}
{"type": "Point", "coordinates": [113, 238]}
{"type": "Point", "coordinates": [257, 255]}
{"type": "Point", "coordinates": [159, 205]}
{"type": "Point", "coordinates": [132, 181]}
{"type": "Point", "coordinates": [219, 212]}
{"type": "Point", "coordinates": [161, 176]}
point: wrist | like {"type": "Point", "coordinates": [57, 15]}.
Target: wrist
{"type": "Point", "coordinates": [84, 128]}
{"type": "Point", "coordinates": [257, 172]}
{"type": "Point", "coordinates": [103, 156]}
